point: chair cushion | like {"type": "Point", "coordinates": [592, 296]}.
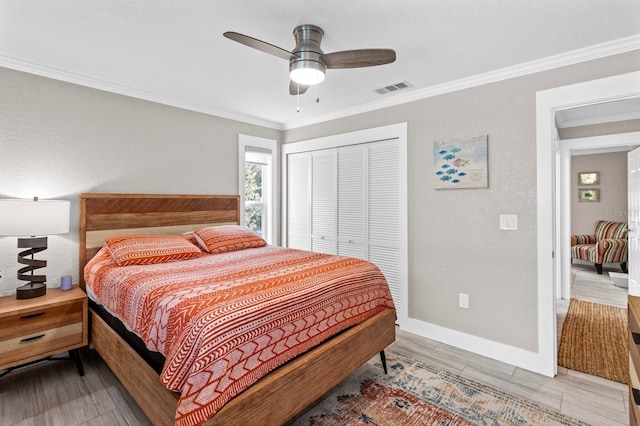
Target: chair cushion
{"type": "Point", "coordinates": [586, 252]}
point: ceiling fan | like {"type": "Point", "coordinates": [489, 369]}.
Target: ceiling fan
{"type": "Point", "coordinates": [308, 63]}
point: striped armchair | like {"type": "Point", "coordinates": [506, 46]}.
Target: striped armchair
{"type": "Point", "coordinates": [607, 245]}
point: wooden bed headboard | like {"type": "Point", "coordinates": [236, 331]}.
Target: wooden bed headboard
{"type": "Point", "coordinates": [107, 215]}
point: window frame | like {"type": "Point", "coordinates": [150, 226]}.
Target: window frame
{"type": "Point", "coordinates": [272, 233]}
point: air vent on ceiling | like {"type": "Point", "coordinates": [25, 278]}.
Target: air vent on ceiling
{"type": "Point", "coordinates": [393, 88]}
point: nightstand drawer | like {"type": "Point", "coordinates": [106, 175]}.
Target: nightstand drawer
{"type": "Point", "coordinates": [43, 342]}
{"type": "Point", "coordinates": [40, 320]}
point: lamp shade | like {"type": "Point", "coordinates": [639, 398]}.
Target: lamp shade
{"type": "Point", "coordinates": [34, 217]}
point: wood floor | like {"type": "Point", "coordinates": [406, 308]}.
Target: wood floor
{"type": "Point", "coordinates": [52, 393]}
{"type": "Point", "coordinates": [587, 285]}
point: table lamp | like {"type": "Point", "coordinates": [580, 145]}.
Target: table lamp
{"type": "Point", "coordinates": [32, 221]}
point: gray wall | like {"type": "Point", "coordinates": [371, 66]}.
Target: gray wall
{"type": "Point", "coordinates": [454, 242]}
{"type": "Point", "coordinates": [613, 190]}
{"type": "Point", "coordinates": [59, 139]}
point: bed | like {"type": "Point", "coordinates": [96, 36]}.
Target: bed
{"type": "Point", "coordinates": [275, 398]}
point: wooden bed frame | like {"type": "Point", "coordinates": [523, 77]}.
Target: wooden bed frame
{"type": "Point", "coordinates": [274, 399]}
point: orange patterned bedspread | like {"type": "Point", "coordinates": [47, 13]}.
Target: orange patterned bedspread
{"type": "Point", "coordinates": [225, 320]}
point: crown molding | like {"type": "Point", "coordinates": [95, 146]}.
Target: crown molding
{"type": "Point", "coordinates": [569, 58]}
{"type": "Point", "coordinates": [107, 86]}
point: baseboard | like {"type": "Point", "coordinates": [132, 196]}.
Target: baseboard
{"type": "Point", "coordinates": [518, 357]}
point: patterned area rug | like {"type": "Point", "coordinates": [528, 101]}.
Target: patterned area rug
{"type": "Point", "coordinates": [415, 393]}
{"type": "Point", "coordinates": [594, 340]}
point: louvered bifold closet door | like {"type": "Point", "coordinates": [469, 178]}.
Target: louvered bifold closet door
{"type": "Point", "coordinates": [299, 201]}
{"type": "Point", "coordinates": [352, 201]}
{"type": "Point", "coordinates": [324, 201]}
{"type": "Point", "coordinates": [384, 211]}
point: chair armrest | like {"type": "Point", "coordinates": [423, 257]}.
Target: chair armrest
{"type": "Point", "coordinates": [612, 250]}
{"type": "Point", "coordinates": [582, 239]}
{"type": "Point", "coordinates": [621, 242]}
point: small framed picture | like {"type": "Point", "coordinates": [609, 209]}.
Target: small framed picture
{"type": "Point", "coordinates": [588, 178]}
{"type": "Point", "coordinates": [588, 195]}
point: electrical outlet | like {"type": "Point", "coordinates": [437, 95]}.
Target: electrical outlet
{"type": "Point", "coordinates": [463, 300]}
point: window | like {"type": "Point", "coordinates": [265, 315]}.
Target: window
{"type": "Point", "coordinates": [258, 185]}
{"type": "Point", "coordinates": [256, 191]}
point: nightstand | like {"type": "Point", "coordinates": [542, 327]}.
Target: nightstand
{"type": "Point", "coordinates": [35, 329]}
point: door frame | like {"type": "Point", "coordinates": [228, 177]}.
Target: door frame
{"type": "Point", "coordinates": [550, 224]}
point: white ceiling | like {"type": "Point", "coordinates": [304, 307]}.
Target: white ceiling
{"type": "Point", "coordinates": [173, 52]}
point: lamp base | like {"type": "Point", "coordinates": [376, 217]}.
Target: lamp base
{"type": "Point", "coordinates": [29, 291]}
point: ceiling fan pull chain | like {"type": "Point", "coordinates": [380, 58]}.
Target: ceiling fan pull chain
{"type": "Point", "coordinates": [317, 87]}
{"type": "Point", "coordinates": [298, 99]}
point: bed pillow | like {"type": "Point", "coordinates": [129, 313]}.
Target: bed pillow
{"type": "Point", "coordinates": [150, 249]}
{"type": "Point", "coordinates": [191, 237]}
{"type": "Point", "coordinates": [220, 239]}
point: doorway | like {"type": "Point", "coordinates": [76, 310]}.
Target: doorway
{"type": "Point", "coordinates": [552, 215]}
{"type": "Point", "coordinates": [568, 148]}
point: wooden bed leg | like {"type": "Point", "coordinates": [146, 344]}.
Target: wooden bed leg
{"type": "Point", "coordinates": [383, 359]}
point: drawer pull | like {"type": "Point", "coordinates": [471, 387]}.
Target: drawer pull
{"type": "Point", "coordinates": [37, 314]}
{"type": "Point", "coordinates": [636, 395]}
{"type": "Point", "coordinates": [29, 339]}
{"type": "Point", "coordinates": [636, 338]}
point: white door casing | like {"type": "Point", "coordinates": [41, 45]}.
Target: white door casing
{"type": "Point", "coordinates": [633, 261]}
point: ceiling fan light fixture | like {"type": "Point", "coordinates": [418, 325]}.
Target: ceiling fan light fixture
{"type": "Point", "coordinates": [307, 73]}
{"type": "Point", "coordinates": [308, 64]}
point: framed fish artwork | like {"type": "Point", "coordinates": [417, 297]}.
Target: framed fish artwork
{"type": "Point", "coordinates": [461, 163]}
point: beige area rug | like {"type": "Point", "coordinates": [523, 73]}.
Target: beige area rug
{"type": "Point", "coordinates": [420, 394]}
{"type": "Point", "coordinates": [594, 340]}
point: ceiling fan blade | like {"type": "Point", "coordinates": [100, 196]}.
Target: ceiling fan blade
{"type": "Point", "coordinates": [359, 58]}
{"type": "Point", "coordinates": [259, 44]}
{"type": "Point", "coordinates": [293, 88]}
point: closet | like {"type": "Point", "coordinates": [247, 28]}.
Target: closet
{"type": "Point", "coordinates": [346, 200]}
